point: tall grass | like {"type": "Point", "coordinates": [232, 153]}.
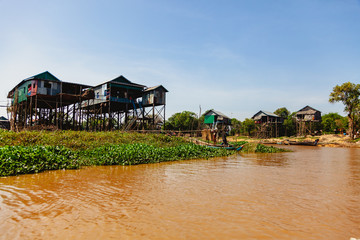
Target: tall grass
{"type": "Point", "coordinates": [76, 140]}
{"type": "Point", "coordinates": [36, 151]}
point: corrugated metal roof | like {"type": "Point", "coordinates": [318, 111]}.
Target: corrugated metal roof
{"type": "Point", "coordinates": [307, 110]}
{"type": "Point", "coordinates": [121, 80]}
{"type": "Point", "coordinates": [156, 87]}
{"type": "Point", "coordinates": [44, 76]}
{"type": "Point", "coordinates": [216, 113]}
{"type": "Point", "coordinates": [261, 113]}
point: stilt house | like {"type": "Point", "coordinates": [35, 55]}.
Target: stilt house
{"type": "Point", "coordinates": [306, 119]}
{"type": "Point", "coordinates": [122, 104]}
{"type": "Point", "coordinates": [214, 118]}
{"type": "Point", "coordinates": [216, 122]}
{"type": "Point", "coordinates": [154, 98]}
{"type": "Point", "coordinates": [267, 124]}
{"type": "Point", "coordinates": [44, 100]}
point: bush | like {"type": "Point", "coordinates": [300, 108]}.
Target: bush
{"type": "Point", "coordinates": [20, 160]}
{"type": "Point", "coordinates": [130, 154]}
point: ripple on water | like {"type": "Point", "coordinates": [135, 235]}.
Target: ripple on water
{"type": "Point", "coordinates": [311, 193]}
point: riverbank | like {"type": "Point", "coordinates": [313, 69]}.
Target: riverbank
{"type": "Point", "coordinates": [37, 151]}
{"type": "Point", "coordinates": [326, 140]}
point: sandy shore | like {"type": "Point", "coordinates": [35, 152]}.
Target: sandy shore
{"type": "Point", "coordinates": [329, 140]}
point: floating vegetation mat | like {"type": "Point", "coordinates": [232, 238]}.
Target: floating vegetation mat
{"type": "Point", "coordinates": [261, 148]}
{"type": "Point", "coordinates": [33, 159]}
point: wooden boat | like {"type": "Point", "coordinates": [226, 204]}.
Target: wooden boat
{"type": "Point", "coordinates": [305, 143]}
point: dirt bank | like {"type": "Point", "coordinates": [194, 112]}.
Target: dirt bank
{"type": "Point", "coordinates": [328, 140]}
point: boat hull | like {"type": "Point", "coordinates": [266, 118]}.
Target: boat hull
{"type": "Point", "coordinates": [304, 143]}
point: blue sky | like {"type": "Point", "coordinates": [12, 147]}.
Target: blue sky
{"type": "Point", "coordinates": [234, 56]}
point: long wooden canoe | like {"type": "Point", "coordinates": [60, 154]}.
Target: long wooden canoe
{"type": "Point", "coordinates": [305, 143]}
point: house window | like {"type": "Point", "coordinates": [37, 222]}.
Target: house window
{"type": "Point", "coordinates": [47, 85]}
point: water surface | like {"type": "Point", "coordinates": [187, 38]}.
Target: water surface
{"type": "Point", "coordinates": [311, 193]}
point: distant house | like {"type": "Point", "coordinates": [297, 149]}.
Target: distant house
{"type": "Point", "coordinates": [266, 117]}
{"type": "Point", "coordinates": [308, 114]}
{"type": "Point", "coordinates": [213, 118]}
{"type": "Point", "coordinates": [267, 124]}
{"type": "Point", "coordinates": [307, 121]}
{"type": "Point", "coordinates": [154, 96]}
{"type": "Point", "coordinates": [4, 123]}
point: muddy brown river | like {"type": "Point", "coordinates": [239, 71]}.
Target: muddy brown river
{"type": "Point", "coordinates": [311, 193]}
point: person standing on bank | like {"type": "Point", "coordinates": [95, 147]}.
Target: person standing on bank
{"type": "Point", "coordinates": [223, 135]}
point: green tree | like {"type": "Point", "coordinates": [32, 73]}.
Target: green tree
{"type": "Point", "coordinates": [333, 122]}
{"type": "Point", "coordinates": [290, 125]}
{"type": "Point", "coordinates": [182, 121]}
{"type": "Point", "coordinates": [282, 112]}
{"type": "Point", "coordinates": [235, 126]}
{"type": "Point", "coordinates": [248, 126]}
{"type": "Point", "coordinates": [348, 93]}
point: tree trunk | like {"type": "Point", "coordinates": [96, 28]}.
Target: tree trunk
{"type": "Point", "coordinates": [351, 126]}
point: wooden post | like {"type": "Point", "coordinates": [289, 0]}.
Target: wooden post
{"type": "Point", "coordinates": [118, 117]}
{"type": "Point", "coordinates": [67, 117]}
{"type": "Point", "coordinates": [164, 117]}
{"type": "Point", "coordinates": [153, 115]}
{"type": "Point", "coordinates": [62, 110]}
{"type": "Point", "coordinates": [95, 117]}
{"type": "Point", "coordinates": [31, 100]}
{"type": "Point", "coordinates": [73, 118]}
{"type": "Point", "coordinates": [36, 101]}
{"type": "Point", "coordinates": [80, 110]}
{"type": "Point", "coordinates": [110, 120]}
{"type": "Point", "coordinates": [87, 115]}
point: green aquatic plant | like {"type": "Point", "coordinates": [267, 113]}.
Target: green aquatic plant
{"type": "Point", "coordinates": [36, 151]}
{"type": "Point", "coordinates": [20, 160]}
{"type": "Point", "coordinates": [260, 148]}
{"type": "Point", "coordinates": [16, 160]}
{"type": "Point", "coordinates": [130, 154]}
{"type": "Point", "coordinates": [238, 144]}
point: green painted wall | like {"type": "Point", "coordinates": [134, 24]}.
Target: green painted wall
{"type": "Point", "coordinates": [209, 119]}
{"type": "Point", "coordinates": [22, 91]}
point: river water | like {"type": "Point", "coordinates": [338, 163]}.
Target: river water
{"type": "Point", "coordinates": [311, 193]}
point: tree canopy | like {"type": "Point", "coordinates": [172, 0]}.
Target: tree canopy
{"type": "Point", "coordinates": [282, 112]}
{"type": "Point", "coordinates": [333, 122]}
{"type": "Point", "coordinates": [235, 126]}
{"type": "Point", "coordinates": [248, 126]}
{"type": "Point", "coordinates": [348, 93]}
{"type": "Point", "coordinates": [182, 121]}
